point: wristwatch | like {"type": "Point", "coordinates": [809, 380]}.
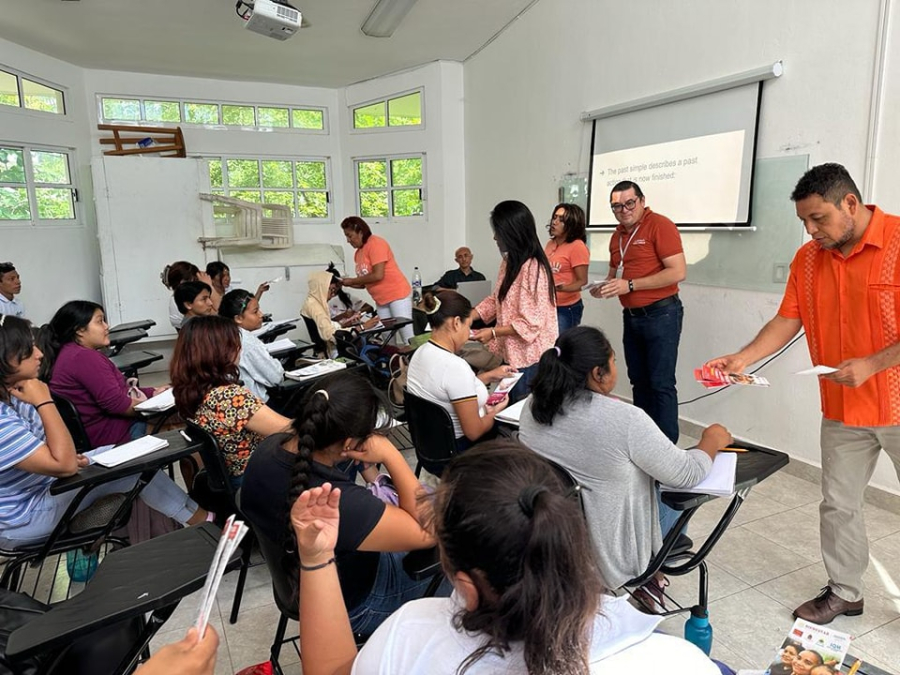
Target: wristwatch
{"type": "Point", "coordinates": [630, 285]}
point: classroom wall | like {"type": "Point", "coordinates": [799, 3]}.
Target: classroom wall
{"type": "Point", "coordinates": [525, 92]}
{"type": "Point", "coordinates": [56, 263]}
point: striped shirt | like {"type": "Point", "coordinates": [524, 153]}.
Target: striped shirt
{"type": "Point", "coordinates": [21, 434]}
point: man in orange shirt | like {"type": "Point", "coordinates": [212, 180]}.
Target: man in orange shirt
{"type": "Point", "coordinates": [843, 291]}
{"type": "Point", "coordinates": [646, 263]}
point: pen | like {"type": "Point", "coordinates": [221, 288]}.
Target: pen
{"type": "Point", "coordinates": [185, 436]}
{"type": "Point", "coordinates": [730, 449]}
{"type": "Point", "coordinates": [855, 667]}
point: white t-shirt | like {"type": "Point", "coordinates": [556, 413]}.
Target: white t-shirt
{"type": "Point", "coordinates": [419, 638]}
{"type": "Point", "coordinates": [444, 378]}
{"type": "Point", "coordinates": [176, 318]}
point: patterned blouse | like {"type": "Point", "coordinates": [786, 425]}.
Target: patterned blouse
{"type": "Point", "coordinates": [225, 412]}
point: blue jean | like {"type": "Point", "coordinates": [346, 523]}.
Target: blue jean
{"type": "Point", "coordinates": [391, 589]}
{"type": "Point", "coordinates": [523, 386]}
{"type": "Point", "coordinates": [137, 430]}
{"type": "Point", "coordinates": [651, 353]}
{"type": "Point", "coordinates": [570, 316]}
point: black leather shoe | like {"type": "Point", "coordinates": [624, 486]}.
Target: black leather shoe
{"type": "Point", "coordinates": [824, 607]}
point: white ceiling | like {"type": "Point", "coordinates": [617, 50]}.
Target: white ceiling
{"type": "Point", "coordinates": [205, 38]}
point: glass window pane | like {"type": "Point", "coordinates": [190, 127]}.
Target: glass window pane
{"type": "Point", "coordinates": [9, 89]}
{"type": "Point", "coordinates": [308, 119]}
{"type": "Point", "coordinates": [215, 172]}
{"type": "Point", "coordinates": [246, 195]}
{"type": "Point", "coordinates": [369, 116]}
{"type": "Point", "coordinates": [243, 173]}
{"type": "Point", "coordinates": [50, 167]}
{"type": "Point", "coordinates": [405, 110]}
{"type": "Point", "coordinates": [311, 175]}
{"type": "Point", "coordinates": [277, 174]}
{"type": "Point", "coordinates": [121, 109]}
{"type": "Point", "coordinates": [162, 111]}
{"type": "Point", "coordinates": [406, 171]}
{"type": "Point", "coordinates": [12, 166]}
{"type": "Point", "coordinates": [41, 97]}
{"type": "Point", "coordinates": [407, 203]}
{"type": "Point", "coordinates": [373, 204]}
{"type": "Point", "coordinates": [372, 174]}
{"type": "Point", "coordinates": [273, 117]}
{"type": "Point", "coordinates": [283, 198]}
{"type": "Point", "coordinates": [238, 115]}
{"type": "Point", "coordinates": [312, 204]}
{"type": "Point", "coordinates": [55, 203]}
{"type": "Point", "coordinates": [14, 204]}
{"type": "Point", "coordinates": [201, 113]}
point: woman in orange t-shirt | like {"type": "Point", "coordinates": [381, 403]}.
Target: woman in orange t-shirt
{"type": "Point", "coordinates": [378, 273]}
{"type": "Point", "coordinates": [569, 258]}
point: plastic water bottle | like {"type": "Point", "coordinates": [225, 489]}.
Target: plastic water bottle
{"type": "Point", "coordinates": [417, 286]}
{"type": "Point", "coordinates": [80, 565]}
{"type": "Point", "coordinates": [698, 630]}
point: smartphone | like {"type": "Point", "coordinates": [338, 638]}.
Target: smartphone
{"type": "Point", "coordinates": [503, 389]}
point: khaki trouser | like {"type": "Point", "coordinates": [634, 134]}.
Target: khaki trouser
{"type": "Point", "coordinates": [849, 455]}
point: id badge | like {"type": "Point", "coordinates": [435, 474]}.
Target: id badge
{"type": "Point", "coordinates": [620, 271]}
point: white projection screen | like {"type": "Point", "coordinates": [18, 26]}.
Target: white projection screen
{"type": "Point", "coordinates": [693, 159]}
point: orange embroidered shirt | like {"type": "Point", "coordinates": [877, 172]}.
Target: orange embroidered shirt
{"type": "Point", "coordinates": [850, 308]}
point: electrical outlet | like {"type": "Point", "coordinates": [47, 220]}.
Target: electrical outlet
{"type": "Point", "coordinates": [780, 273]}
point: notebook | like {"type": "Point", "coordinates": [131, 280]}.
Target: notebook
{"type": "Point", "coordinates": [511, 414]}
{"type": "Point", "coordinates": [316, 369]}
{"type": "Point", "coordinates": [157, 403]}
{"type": "Point", "coordinates": [280, 345]}
{"type": "Point", "coordinates": [128, 451]}
{"type": "Point", "coordinates": [719, 482]}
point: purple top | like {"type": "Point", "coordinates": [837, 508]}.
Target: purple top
{"type": "Point", "coordinates": [98, 391]}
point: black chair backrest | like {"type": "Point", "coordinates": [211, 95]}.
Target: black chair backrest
{"type": "Point", "coordinates": [314, 335]}
{"type": "Point", "coordinates": [216, 472]}
{"type": "Point", "coordinates": [284, 590]}
{"type": "Point", "coordinates": [72, 419]}
{"type": "Point", "coordinates": [569, 481]}
{"type": "Point", "coordinates": [432, 432]}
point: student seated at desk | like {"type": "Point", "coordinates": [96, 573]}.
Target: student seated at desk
{"type": "Point", "coordinates": [614, 449]}
{"type": "Point", "coordinates": [323, 287]}
{"type": "Point", "coordinates": [259, 369]}
{"type": "Point", "coordinates": [206, 382]}
{"type": "Point", "coordinates": [78, 371]}
{"type": "Point", "coordinates": [36, 448]}
{"type": "Point", "coordinates": [437, 374]}
{"type": "Point", "coordinates": [528, 595]}
{"type": "Point", "coordinates": [337, 420]}
{"type": "Point", "coordinates": [176, 274]}
{"type": "Point", "coordinates": [194, 298]}
{"type": "Point", "coordinates": [343, 305]}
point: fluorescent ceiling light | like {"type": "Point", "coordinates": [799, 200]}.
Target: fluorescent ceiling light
{"type": "Point", "coordinates": [385, 17]}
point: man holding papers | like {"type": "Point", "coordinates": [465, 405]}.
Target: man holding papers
{"type": "Point", "coordinates": [842, 291]}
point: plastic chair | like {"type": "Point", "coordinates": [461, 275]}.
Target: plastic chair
{"type": "Point", "coordinates": [432, 433]}
{"type": "Point", "coordinates": [214, 475]}
{"type": "Point", "coordinates": [72, 419]}
{"type": "Point", "coordinates": [314, 336]}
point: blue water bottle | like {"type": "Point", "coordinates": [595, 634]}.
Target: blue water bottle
{"type": "Point", "coordinates": [698, 630]}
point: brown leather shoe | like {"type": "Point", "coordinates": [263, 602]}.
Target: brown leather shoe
{"type": "Point", "coordinates": [824, 607]}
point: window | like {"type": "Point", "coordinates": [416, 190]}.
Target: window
{"type": "Point", "coordinates": [132, 109]}
{"type": "Point", "coordinates": [36, 185]}
{"type": "Point", "coordinates": [391, 187]}
{"type": "Point", "coordinates": [400, 111]}
{"type": "Point", "coordinates": [299, 184]}
{"type": "Point", "coordinates": [19, 91]}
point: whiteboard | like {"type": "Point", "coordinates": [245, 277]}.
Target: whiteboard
{"type": "Point", "coordinates": [149, 214]}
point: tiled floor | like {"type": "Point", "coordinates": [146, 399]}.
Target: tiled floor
{"type": "Point", "coordinates": [765, 565]}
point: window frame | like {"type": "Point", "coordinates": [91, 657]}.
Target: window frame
{"type": "Point", "coordinates": [391, 188]}
{"type": "Point", "coordinates": [31, 187]}
{"type": "Point", "coordinates": [387, 126]}
{"type": "Point", "coordinates": [221, 125]}
{"type": "Point", "coordinates": [227, 189]}
{"type": "Point", "coordinates": [21, 108]}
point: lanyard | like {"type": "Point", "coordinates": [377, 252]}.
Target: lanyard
{"type": "Point", "coordinates": [623, 251]}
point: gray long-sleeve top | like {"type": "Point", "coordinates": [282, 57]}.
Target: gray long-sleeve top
{"type": "Point", "coordinates": [615, 449]}
{"type": "Point", "coordinates": [258, 368]}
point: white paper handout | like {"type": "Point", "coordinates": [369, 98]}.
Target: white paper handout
{"type": "Point", "coordinates": [719, 482]}
{"type": "Point", "coordinates": [280, 345]}
{"type": "Point", "coordinates": [817, 370]}
{"type": "Point", "coordinates": [232, 534]}
{"type": "Point", "coordinates": [316, 369]}
{"type": "Point", "coordinates": [158, 403]}
{"type": "Point", "coordinates": [511, 414]}
{"type": "Point", "coordinates": [128, 451]}
{"type": "Point", "coordinates": [272, 325]}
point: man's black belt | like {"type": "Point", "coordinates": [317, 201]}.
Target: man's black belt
{"type": "Point", "coordinates": [644, 311]}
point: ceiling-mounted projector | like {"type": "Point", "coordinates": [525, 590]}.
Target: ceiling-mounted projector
{"type": "Point", "coordinates": [277, 20]}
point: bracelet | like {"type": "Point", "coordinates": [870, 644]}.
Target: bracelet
{"type": "Point", "coordinates": [51, 402]}
{"type": "Point", "coordinates": [313, 568]}
{"type": "Point", "coordinates": [493, 334]}
{"type": "Point", "coordinates": [631, 285]}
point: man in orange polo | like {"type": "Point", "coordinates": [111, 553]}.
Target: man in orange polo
{"type": "Point", "coordinates": [843, 291]}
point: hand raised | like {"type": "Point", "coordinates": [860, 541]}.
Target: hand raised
{"type": "Point", "coordinates": [315, 517]}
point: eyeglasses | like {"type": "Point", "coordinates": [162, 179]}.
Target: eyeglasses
{"type": "Point", "coordinates": [627, 206]}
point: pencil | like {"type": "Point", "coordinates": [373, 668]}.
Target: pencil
{"type": "Point", "coordinates": [730, 449]}
{"type": "Point", "coordinates": [855, 667]}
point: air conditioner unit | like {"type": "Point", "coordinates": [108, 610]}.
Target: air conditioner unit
{"type": "Point", "coordinates": [273, 19]}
